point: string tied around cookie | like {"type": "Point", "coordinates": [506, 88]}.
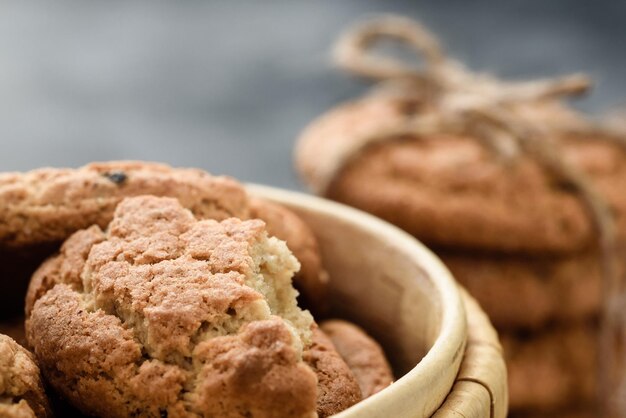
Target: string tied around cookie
{"type": "Point", "coordinates": [439, 73]}
{"type": "Point", "coordinates": [507, 117]}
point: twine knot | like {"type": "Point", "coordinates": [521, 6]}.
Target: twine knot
{"type": "Point", "coordinates": [440, 75]}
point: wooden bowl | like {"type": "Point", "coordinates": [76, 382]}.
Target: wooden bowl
{"type": "Point", "coordinates": [386, 281]}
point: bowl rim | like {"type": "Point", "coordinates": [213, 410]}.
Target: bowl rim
{"type": "Point", "coordinates": [448, 348]}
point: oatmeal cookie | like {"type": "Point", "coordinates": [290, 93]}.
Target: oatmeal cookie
{"type": "Point", "coordinates": [453, 191]}
{"type": "Point", "coordinates": [552, 369]}
{"type": "Point", "coordinates": [21, 391]}
{"type": "Point", "coordinates": [48, 204]}
{"type": "Point", "coordinates": [363, 355]}
{"type": "Point", "coordinates": [530, 292]}
{"type": "Point", "coordinates": [162, 314]}
{"type": "Point", "coordinates": [337, 387]}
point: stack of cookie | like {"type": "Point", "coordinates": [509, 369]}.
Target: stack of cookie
{"type": "Point", "coordinates": [171, 306]}
{"type": "Point", "coordinates": [497, 179]}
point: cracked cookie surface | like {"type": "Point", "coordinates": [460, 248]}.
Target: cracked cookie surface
{"type": "Point", "coordinates": [48, 204]}
{"type": "Point", "coordinates": [164, 315]}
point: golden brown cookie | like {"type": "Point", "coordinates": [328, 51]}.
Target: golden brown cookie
{"type": "Point", "coordinates": [517, 291]}
{"type": "Point", "coordinates": [363, 355]}
{"type": "Point", "coordinates": [48, 204]}
{"type": "Point", "coordinates": [337, 387]}
{"type": "Point", "coordinates": [165, 315]}
{"type": "Point", "coordinates": [21, 391]}
{"type": "Point", "coordinates": [312, 279]}
{"type": "Point", "coordinates": [453, 191]}
{"type": "Point", "coordinates": [552, 369]}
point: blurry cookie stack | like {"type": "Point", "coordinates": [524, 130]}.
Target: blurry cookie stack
{"type": "Point", "coordinates": [523, 199]}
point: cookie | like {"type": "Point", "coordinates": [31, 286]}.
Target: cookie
{"type": "Point", "coordinates": [338, 388]}
{"type": "Point", "coordinates": [21, 391]}
{"type": "Point", "coordinates": [363, 355]}
{"type": "Point", "coordinates": [164, 315]}
{"type": "Point", "coordinates": [41, 208]}
{"type": "Point", "coordinates": [47, 205]}
{"type": "Point", "coordinates": [530, 292]}
{"type": "Point", "coordinates": [453, 191]}
{"type": "Point", "coordinates": [552, 369]}
{"type": "Point", "coordinates": [312, 279]}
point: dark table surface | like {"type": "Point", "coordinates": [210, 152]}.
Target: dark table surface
{"type": "Point", "coordinates": [227, 86]}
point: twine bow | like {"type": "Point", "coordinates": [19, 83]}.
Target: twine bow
{"type": "Point", "coordinates": [500, 114]}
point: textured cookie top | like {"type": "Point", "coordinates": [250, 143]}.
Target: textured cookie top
{"type": "Point", "coordinates": [338, 388]}
{"type": "Point", "coordinates": [21, 391]}
{"type": "Point", "coordinates": [164, 315]}
{"type": "Point", "coordinates": [41, 208]}
{"type": "Point", "coordinates": [363, 355]}
{"type": "Point", "coordinates": [453, 191]}
{"type": "Point", "coordinates": [48, 204]}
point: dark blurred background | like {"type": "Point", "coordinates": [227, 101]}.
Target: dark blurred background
{"type": "Point", "coordinates": [227, 86]}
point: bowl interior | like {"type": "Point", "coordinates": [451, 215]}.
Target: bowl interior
{"type": "Point", "coordinates": [387, 282]}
